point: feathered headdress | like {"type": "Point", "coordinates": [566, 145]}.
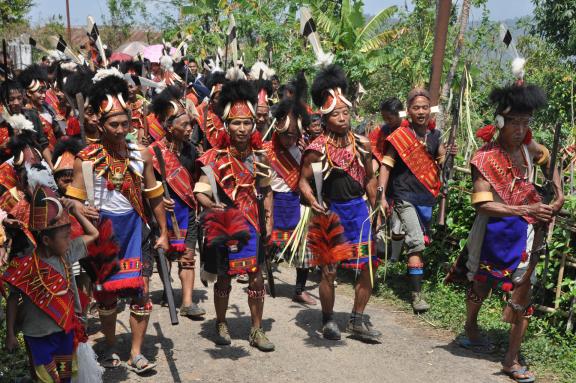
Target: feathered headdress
{"type": "Point", "coordinates": [79, 82]}
{"type": "Point", "coordinates": [293, 107]}
{"type": "Point", "coordinates": [237, 100]}
{"type": "Point", "coordinates": [328, 89]}
{"type": "Point", "coordinates": [109, 92]}
{"type": "Point", "coordinates": [167, 104]}
{"type": "Point", "coordinates": [215, 81]}
{"type": "Point", "coordinates": [65, 153]}
{"type": "Point", "coordinates": [33, 77]}
{"type": "Point", "coordinates": [326, 240]}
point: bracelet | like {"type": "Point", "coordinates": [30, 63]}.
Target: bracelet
{"type": "Point", "coordinates": [479, 197]}
{"type": "Point", "coordinates": [154, 192]}
{"type": "Point", "coordinates": [76, 193]}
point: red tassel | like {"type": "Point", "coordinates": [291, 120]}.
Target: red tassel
{"type": "Point", "coordinates": [405, 123]}
{"type": "Point", "coordinates": [527, 137]}
{"type": "Point", "coordinates": [224, 226]}
{"type": "Point", "coordinates": [177, 248]}
{"type": "Point", "coordinates": [124, 284]}
{"type": "Point", "coordinates": [103, 253]}
{"type": "Point", "coordinates": [432, 124]}
{"type": "Point", "coordinates": [326, 240]}
{"type": "Point", "coordinates": [109, 185]}
{"type": "Point", "coordinates": [256, 140]}
{"type": "Point", "coordinates": [486, 133]}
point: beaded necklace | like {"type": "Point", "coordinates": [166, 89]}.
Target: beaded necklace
{"type": "Point", "coordinates": [349, 139]}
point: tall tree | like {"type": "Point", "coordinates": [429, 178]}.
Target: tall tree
{"type": "Point", "coordinates": [12, 13]}
{"type": "Point", "coordinates": [556, 21]}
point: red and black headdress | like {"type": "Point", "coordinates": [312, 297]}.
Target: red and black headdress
{"type": "Point", "coordinates": [329, 89]}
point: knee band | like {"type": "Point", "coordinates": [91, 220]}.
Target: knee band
{"type": "Point", "coordinates": [186, 265]}
{"type": "Point", "coordinates": [416, 269]}
{"type": "Point", "coordinates": [107, 310]}
{"type": "Point", "coordinates": [141, 310]}
{"type": "Point", "coordinates": [256, 294]}
{"type": "Point", "coordinates": [222, 293]}
{"type": "Point", "coordinates": [471, 296]}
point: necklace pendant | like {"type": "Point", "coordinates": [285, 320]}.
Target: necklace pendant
{"type": "Point", "coordinates": [117, 181]}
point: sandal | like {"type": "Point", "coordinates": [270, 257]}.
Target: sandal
{"type": "Point", "coordinates": [111, 359]}
{"type": "Point", "coordinates": [482, 346]}
{"type": "Point", "coordinates": [516, 374]}
{"type": "Point", "coordinates": [139, 364]}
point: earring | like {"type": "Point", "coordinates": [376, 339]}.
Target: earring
{"type": "Point", "coordinates": [499, 121]}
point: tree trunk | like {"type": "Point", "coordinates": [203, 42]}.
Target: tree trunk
{"type": "Point", "coordinates": [459, 44]}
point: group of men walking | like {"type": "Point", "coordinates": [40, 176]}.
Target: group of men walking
{"type": "Point", "coordinates": [96, 169]}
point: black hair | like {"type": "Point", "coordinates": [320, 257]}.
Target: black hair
{"type": "Point", "coordinates": [6, 87]}
{"type": "Point", "coordinates": [79, 82]}
{"type": "Point", "coordinates": [33, 72]}
{"type": "Point", "coordinates": [214, 78]}
{"type": "Point", "coordinates": [328, 78]}
{"type": "Point", "coordinates": [392, 105]}
{"type": "Point", "coordinates": [111, 85]}
{"type": "Point", "coordinates": [161, 102]}
{"type": "Point", "coordinates": [234, 91]}
{"type": "Point", "coordinates": [518, 98]}
{"type": "Point", "coordinates": [50, 233]}
{"type": "Point", "coordinates": [66, 144]}
{"type": "Point", "coordinates": [274, 77]}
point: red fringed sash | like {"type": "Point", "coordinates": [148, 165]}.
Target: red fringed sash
{"type": "Point", "coordinates": [48, 132]}
{"type": "Point", "coordinates": [340, 157]}
{"type": "Point", "coordinates": [416, 157]}
{"type": "Point", "coordinates": [245, 197]}
{"type": "Point", "coordinates": [177, 176]}
{"type": "Point", "coordinates": [377, 143]}
{"type": "Point", "coordinates": [283, 163]}
{"type": "Point", "coordinates": [214, 128]}
{"type": "Point", "coordinates": [133, 193]}
{"type": "Point", "coordinates": [507, 181]}
{"type": "Point", "coordinates": [23, 274]}
{"type": "Point", "coordinates": [155, 128]}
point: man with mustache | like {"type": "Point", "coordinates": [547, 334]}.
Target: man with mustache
{"type": "Point", "coordinates": [410, 177]}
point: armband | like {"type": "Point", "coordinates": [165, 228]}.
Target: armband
{"type": "Point", "coordinates": [154, 192]}
{"type": "Point", "coordinates": [479, 197]}
{"type": "Point", "coordinates": [204, 188]}
{"type": "Point", "coordinates": [543, 160]}
{"type": "Point", "coordinates": [389, 161]}
{"type": "Point", "coordinates": [76, 193]}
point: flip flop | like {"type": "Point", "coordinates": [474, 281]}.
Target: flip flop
{"type": "Point", "coordinates": [139, 364]}
{"type": "Point", "coordinates": [111, 359]}
{"type": "Point", "coordinates": [514, 375]}
{"type": "Point", "coordinates": [481, 347]}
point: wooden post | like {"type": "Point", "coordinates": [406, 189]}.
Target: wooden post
{"type": "Point", "coordinates": [440, 36]}
{"type": "Point", "coordinates": [69, 30]}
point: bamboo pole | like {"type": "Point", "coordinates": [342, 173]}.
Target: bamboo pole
{"type": "Point", "coordinates": [560, 279]}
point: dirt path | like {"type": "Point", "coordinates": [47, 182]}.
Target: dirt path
{"type": "Point", "coordinates": [411, 351]}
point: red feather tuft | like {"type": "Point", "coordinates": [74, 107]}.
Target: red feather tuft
{"type": "Point", "coordinates": [326, 240]}
{"type": "Point", "coordinates": [486, 133]}
{"type": "Point", "coordinates": [256, 140]}
{"type": "Point", "coordinates": [527, 137]}
{"type": "Point", "coordinates": [223, 226]}
{"type": "Point", "coordinates": [103, 253]}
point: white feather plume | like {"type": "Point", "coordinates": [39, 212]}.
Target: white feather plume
{"type": "Point", "coordinates": [260, 66]}
{"type": "Point", "coordinates": [71, 66]}
{"type": "Point", "coordinates": [39, 176]}
{"type": "Point", "coordinates": [518, 67]}
{"type": "Point", "coordinates": [103, 73]}
{"type": "Point", "coordinates": [234, 73]}
{"type": "Point", "coordinates": [166, 63]}
{"type": "Point", "coordinates": [89, 370]}
{"type": "Point", "coordinates": [19, 122]}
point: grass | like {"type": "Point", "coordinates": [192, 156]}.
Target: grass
{"type": "Point", "coordinates": [548, 351]}
{"type": "Point", "coordinates": [13, 366]}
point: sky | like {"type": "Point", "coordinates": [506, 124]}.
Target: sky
{"type": "Point", "coordinates": [80, 9]}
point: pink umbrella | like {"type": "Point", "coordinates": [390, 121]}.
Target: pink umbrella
{"type": "Point", "coordinates": [119, 56]}
{"type": "Point", "coordinates": [154, 52]}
